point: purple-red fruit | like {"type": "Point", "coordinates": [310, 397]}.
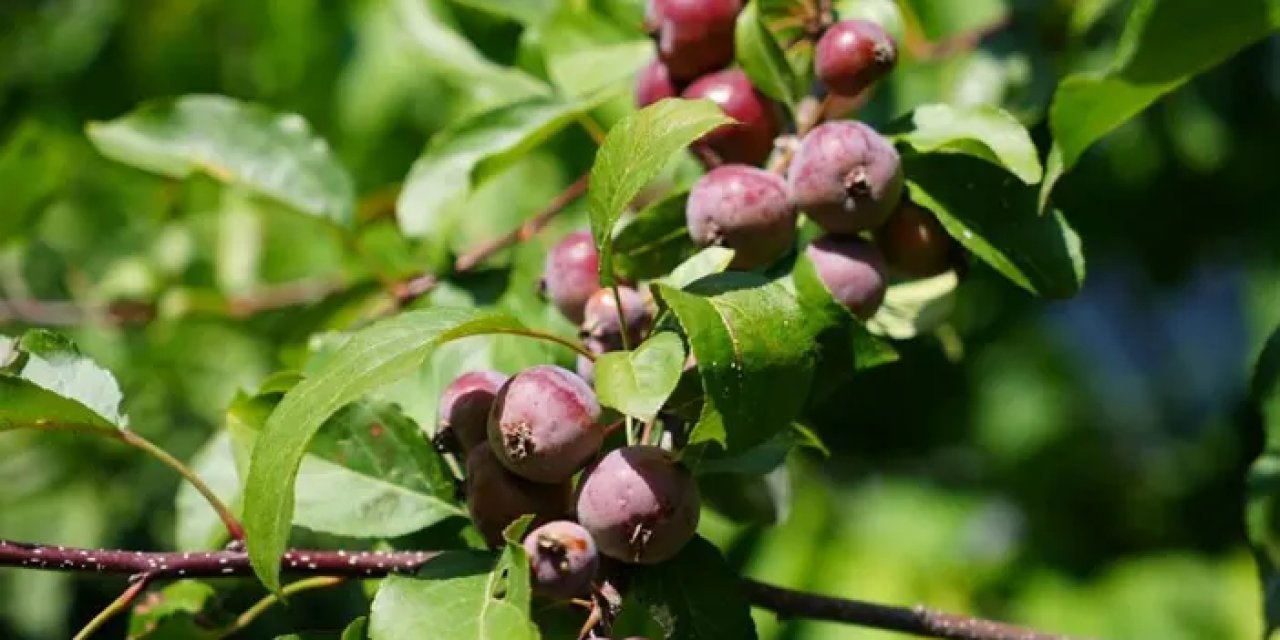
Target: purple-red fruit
{"type": "Point", "coordinates": [545, 424]}
{"type": "Point", "coordinates": [745, 209]}
{"type": "Point", "coordinates": [563, 559]}
{"type": "Point", "coordinates": [750, 140]}
{"type": "Point", "coordinates": [640, 505]}
{"type": "Point", "coordinates": [496, 497]}
{"type": "Point", "coordinates": [653, 84]}
{"type": "Point", "coordinates": [694, 36]}
{"type": "Point", "coordinates": [465, 404]}
{"type": "Point", "coordinates": [847, 177]}
{"type": "Point", "coordinates": [572, 274]}
{"type": "Point", "coordinates": [852, 55]}
{"type": "Point", "coordinates": [913, 242]}
{"type": "Point", "coordinates": [602, 322]}
{"type": "Point", "coordinates": [852, 270]}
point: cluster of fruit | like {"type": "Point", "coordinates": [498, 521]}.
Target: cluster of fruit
{"type": "Point", "coordinates": [526, 437]}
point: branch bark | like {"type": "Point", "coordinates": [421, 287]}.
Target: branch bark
{"type": "Point", "coordinates": [919, 620]}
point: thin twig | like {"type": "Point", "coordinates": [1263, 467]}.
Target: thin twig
{"type": "Point", "coordinates": [919, 620]}
{"type": "Point", "coordinates": [270, 600]}
{"type": "Point", "coordinates": [524, 232]}
{"type": "Point", "coordinates": [227, 563]}
{"type": "Point", "coordinates": [117, 606]}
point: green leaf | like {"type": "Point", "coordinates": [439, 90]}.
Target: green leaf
{"type": "Point", "coordinates": [357, 630]}
{"type": "Point", "coordinates": [1262, 486]}
{"type": "Point", "coordinates": [764, 457]}
{"type": "Point", "coordinates": [694, 596]}
{"type": "Point", "coordinates": [915, 307]}
{"type": "Point", "coordinates": [655, 241]}
{"type": "Point", "coordinates": [239, 143]}
{"type": "Point", "coordinates": [638, 382]}
{"type": "Point", "coordinates": [176, 612]}
{"type": "Point", "coordinates": [763, 500]}
{"type": "Point", "coordinates": [754, 352]}
{"type": "Point", "coordinates": [460, 595]}
{"type": "Point", "coordinates": [523, 11]}
{"type": "Point", "coordinates": [993, 215]}
{"type": "Point", "coordinates": [636, 150]}
{"type": "Point", "coordinates": [845, 345]}
{"type": "Point", "coordinates": [762, 59]}
{"type": "Point", "coordinates": [982, 131]}
{"type": "Point", "coordinates": [1165, 43]}
{"type": "Point", "coordinates": [44, 379]}
{"type": "Point", "coordinates": [372, 357]}
{"type": "Point", "coordinates": [196, 525]}
{"type": "Point", "coordinates": [447, 170]}
{"type": "Point", "coordinates": [709, 261]}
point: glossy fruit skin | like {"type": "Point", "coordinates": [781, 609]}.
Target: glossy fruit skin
{"type": "Point", "coordinates": [464, 407]}
{"type": "Point", "coordinates": [745, 209]}
{"type": "Point", "coordinates": [750, 140]}
{"type": "Point", "coordinates": [654, 83]}
{"type": "Point", "coordinates": [563, 559]}
{"type": "Point", "coordinates": [545, 424]}
{"type": "Point", "coordinates": [852, 270]}
{"type": "Point", "coordinates": [571, 274]}
{"type": "Point", "coordinates": [846, 177]}
{"type": "Point", "coordinates": [694, 36]}
{"type": "Point", "coordinates": [914, 244]}
{"type": "Point", "coordinates": [639, 504]}
{"type": "Point", "coordinates": [496, 497]}
{"type": "Point", "coordinates": [602, 324]}
{"type": "Point", "coordinates": [853, 55]}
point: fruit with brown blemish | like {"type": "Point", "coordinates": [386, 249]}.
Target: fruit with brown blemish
{"type": "Point", "coordinates": [745, 209]}
{"type": "Point", "coordinates": [846, 177]}
{"type": "Point", "coordinates": [853, 55]}
{"type": "Point", "coordinates": [545, 424]}
{"type": "Point", "coordinates": [563, 559]}
{"type": "Point", "coordinates": [639, 504]}
{"type": "Point", "coordinates": [496, 497]}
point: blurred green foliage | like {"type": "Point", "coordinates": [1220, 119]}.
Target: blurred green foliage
{"type": "Point", "coordinates": [1072, 465]}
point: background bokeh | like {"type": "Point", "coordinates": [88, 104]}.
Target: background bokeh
{"type": "Point", "coordinates": [1073, 465]}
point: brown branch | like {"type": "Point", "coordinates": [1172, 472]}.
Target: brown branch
{"type": "Point", "coordinates": [213, 564]}
{"type": "Point", "coordinates": [918, 620]}
{"type": "Point", "coordinates": [470, 259]}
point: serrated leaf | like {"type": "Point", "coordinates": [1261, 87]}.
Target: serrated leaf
{"type": "Point", "coordinates": [982, 131]}
{"type": "Point", "coordinates": [754, 351]}
{"type": "Point", "coordinates": [709, 261]}
{"type": "Point", "coordinates": [1165, 43]}
{"type": "Point", "coordinates": [446, 171]}
{"type": "Point", "coordinates": [993, 215]}
{"type": "Point", "coordinates": [916, 307]}
{"type": "Point", "coordinates": [372, 357]}
{"type": "Point", "coordinates": [764, 457]}
{"type": "Point", "coordinates": [272, 154]}
{"type": "Point", "coordinates": [174, 613]}
{"type": "Point", "coordinates": [763, 60]}
{"type": "Point", "coordinates": [453, 597]}
{"type": "Point", "coordinates": [694, 596]}
{"type": "Point", "coordinates": [638, 382]}
{"type": "Point", "coordinates": [44, 379]}
{"type": "Point", "coordinates": [655, 241]}
{"type": "Point", "coordinates": [634, 151]}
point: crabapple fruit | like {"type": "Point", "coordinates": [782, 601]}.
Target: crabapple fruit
{"type": "Point", "coordinates": [745, 209]}
{"type": "Point", "coordinates": [545, 424]}
{"type": "Point", "coordinates": [750, 139]}
{"type": "Point", "coordinates": [852, 270]}
{"type": "Point", "coordinates": [653, 83]}
{"type": "Point", "coordinates": [464, 407]}
{"type": "Point", "coordinates": [602, 322]}
{"type": "Point", "coordinates": [852, 55]}
{"type": "Point", "coordinates": [563, 558]}
{"type": "Point", "coordinates": [640, 505]}
{"type": "Point", "coordinates": [914, 243]}
{"type": "Point", "coordinates": [571, 274]}
{"type": "Point", "coordinates": [694, 36]}
{"type": "Point", "coordinates": [496, 497]}
{"type": "Point", "coordinates": [847, 177]}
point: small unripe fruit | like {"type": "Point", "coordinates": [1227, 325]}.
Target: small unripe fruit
{"type": "Point", "coordinates": [846, 177]}
{"type": "Point", "coordinates": [545, 424]}
{"type": "Point", "coordinates": [653, 83]}
{"type": "Point", "coordinates": [914, 243]}
{"type": "Point", "coordinates": [852, 55]}
{"type": "Point", "coordinates": [694, 36]}
{"type": "Point", "coordinates": [852, 270]}
{"type": "Point", "coordinates": [496, 497]}
{"type": "Point", "coordinates": [464, 407]}
{"type": "Point", "coordinates": [602, 323]}
{"type": "Point", "coordinates": [572, 274]}
{"type": "Point", "coordinates": [745, 209]}
{"type": "Point", "coordinates": [563, 558]}
{"type": "Point", "coordinates": [640, 505]}
{"type": "Point", "coordinates": [750, 140]}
